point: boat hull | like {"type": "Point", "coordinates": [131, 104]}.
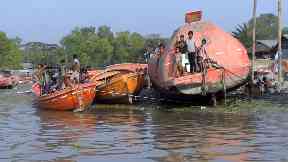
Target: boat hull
{"type": "Point", "coordinates": [230, 69]}
{"type": "Point", "coordinates": [67, 99]}
{"type": "Point", "coordinates": [8, 82]}
{"type": "Point", "coordinates": [120, 89]}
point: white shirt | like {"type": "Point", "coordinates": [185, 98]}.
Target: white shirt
{"type": "Point", "coordinates": [76, 61]}
{"type": "Point", "coordinates": [190, 45]}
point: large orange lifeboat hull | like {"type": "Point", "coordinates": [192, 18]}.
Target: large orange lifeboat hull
{"type": "Point", "coordinates": [221, 47]}
{"type": "Point", "coordinates": [67, 99]}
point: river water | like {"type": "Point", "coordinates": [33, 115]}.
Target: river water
{"type": "Point", "coordinates": [139, 134]}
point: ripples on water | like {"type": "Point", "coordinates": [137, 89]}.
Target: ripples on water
{"type": "Point", "coordinates": [29, 134]}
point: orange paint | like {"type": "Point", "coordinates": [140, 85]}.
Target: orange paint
{"type": "Point", "coordinates": [67, 99]}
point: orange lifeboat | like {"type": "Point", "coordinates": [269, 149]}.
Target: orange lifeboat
{"type": "Point", "coordinates": [230, 70]}
{"type": "Point", "coordinates": [81, 95]}
{"type": "Point", "coordinates": [119, 83]}
{"type": "Point", "coordinates": [7, 79]}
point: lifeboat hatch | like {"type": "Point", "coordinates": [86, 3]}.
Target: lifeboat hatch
{"type": "Point", "coordinates": [193, 16]}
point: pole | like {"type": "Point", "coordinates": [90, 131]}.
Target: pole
{"type": "Point", "coordinates": [254, 40]}
{"type": "Point", "coordinates": [280, 41]}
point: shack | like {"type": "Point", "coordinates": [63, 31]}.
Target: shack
{"type": "Point", "coordinates": [285, 46]}
{"type": "Point", "coordinates": [266, 49]}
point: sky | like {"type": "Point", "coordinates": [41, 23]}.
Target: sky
{"type": "Point", "coordinates": [49, 20]}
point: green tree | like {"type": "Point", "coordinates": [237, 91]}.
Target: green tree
{"type": "Point", "coordinates": [100, 52]}
{"type": "Point", "coordinates": [285, 30]}
{"type": "Point", "coordinates": [121, 47]}
{"type": "Point", "coordinates": [266, 28]}
{"type": "Point", "coordinates": [38, 52]}
{"type": "Point", "coordinates": [137, 43]}
{"type": "Point", "coordinates": [105, 32]}
{"type": "Point", "coordinates": [243, 33]}
{"type": "Point", "coordinates": [101, 47]}
{"type": "Point", "coordinates": [152, 41]}
{"type": "Point", "coordinates": [10, 54]}
{"type": "Point", "coordinates": [78, 43]}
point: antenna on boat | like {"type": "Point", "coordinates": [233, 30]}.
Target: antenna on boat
{"type": "Point", "coordinates": [280, 79]}
{"type": "Point", "coordinates": [254, 40]}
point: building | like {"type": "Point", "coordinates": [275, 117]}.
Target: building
{"type": "Point", "coordinates": [285, 46]}
{"type": "Point", "coordinates": [265, 49]}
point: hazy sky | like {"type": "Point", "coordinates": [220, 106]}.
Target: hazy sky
{"type": "Point", "coordinates": [50, 20]}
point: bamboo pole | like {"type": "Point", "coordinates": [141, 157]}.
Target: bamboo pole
{"type": "Point", "coordinates": [280, 41]}
{"type": "Point", "coordinates": [254, 40]}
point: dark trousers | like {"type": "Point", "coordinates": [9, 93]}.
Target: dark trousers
{"type": "Point", "coordinates": [193, 62]}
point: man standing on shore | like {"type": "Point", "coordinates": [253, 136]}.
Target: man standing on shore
{"type": "Point", "coordinates": [191, 52]}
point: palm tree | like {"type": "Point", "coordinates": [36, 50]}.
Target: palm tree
{"type": "Point", "coordinates": [243, 34]}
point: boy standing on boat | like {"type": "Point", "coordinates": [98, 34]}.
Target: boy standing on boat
{"type": "Point", "coordinates": [39, 76]}
{"type": "Point", "coordinates": [178, 71]}
{"type": "Point", "coordinates": [191, 47]}
{"type": "Point", "coordinates": [62, 75]}
{"type": "Point", "coordinates": [76, 70]}
{"type": "Point", "coordinates": [183, 50]}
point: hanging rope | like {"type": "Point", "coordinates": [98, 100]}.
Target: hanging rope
{"type": "Point", "coordinates": [224, 85]}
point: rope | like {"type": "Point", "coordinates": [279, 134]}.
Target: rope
{"type": "Point", "coordinates": [224, 85]}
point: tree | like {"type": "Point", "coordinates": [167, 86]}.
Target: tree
{"type": "Point", "coordinates": [137, 43]}
{"type": "Point", "coordinates": [10, 54]}
{"type": "Point", "coordinates": [78, 43]}
{"type": "Point", "coordinates": [38, 52]}
{"type": "Point", "coordinates": [103, 51]}
{"type": "Point", "coordinates": [243, 34]}
{"type": "Point", "coordinates": [105, 32]}
{"type": "Point", "coordinates": [152, 41]}
{"type": "Point", "coordinates": [285, 30]}
{"type": "Point", "coordinates": [266, 28]}
{"type": "Point", "coordinates": [101, 47]}
{"type": "Point", "coordinates": [121, 47]}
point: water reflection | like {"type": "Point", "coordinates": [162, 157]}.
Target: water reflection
{"type": "Point", "coordinates": [202, 137]}
{"type": "Point", "coordinates": [130, 134]}
{"type": "Point", "coordinates": [98, 133]}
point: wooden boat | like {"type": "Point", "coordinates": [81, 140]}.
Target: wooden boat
{"type": "Point", "coordinates": [119, 88]}
{"type": "Point", "coordinates": [81, 95]}
{"type": "Point", "coordinates": [131, 67]}
{"type": "Point", "coordinates": [128, 67]}
{"type": "Point", "coordinates": [7, 79]}
{"type": "Point", "coordinates": [230, 69]}
{"type": "Point", "coordinates": [119, 83]}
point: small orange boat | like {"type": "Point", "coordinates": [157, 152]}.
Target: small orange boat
{"type": "Point", "coordinates": [7, 79]}
{"type": "Point", "coordinates": [81, 95]}
{"type": "Point", "coordinates": [118, 86]}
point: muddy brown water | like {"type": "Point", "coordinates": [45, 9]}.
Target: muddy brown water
{"type": "Point", "coordinates": [139, 134]}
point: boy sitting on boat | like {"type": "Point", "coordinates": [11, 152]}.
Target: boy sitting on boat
{"type": "Point", "coordinates": [53, 79]}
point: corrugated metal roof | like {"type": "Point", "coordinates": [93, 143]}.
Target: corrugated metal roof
{"type": "Point", "coordinates": [285, 36]}
{"type": "Point", "coordinates": [268, 43]}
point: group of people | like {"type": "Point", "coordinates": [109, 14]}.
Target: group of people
{"type": "Point", "coordinates": [265, 83]}
{"type": "Point", "coordinates": [52, 79]}
{"type": "Point", "coordinates": [190, 58]}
